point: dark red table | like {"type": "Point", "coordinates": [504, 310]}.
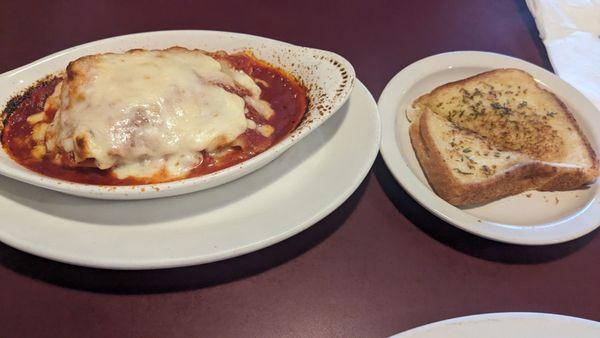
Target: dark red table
{"type": "Point", "coordinates": [378, 265]}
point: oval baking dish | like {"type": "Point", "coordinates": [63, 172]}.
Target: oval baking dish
{"type": "Point", "coordinates": [327, 77]}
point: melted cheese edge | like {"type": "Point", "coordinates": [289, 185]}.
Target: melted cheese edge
{"type": "Point", "coordinates": [146, 112]}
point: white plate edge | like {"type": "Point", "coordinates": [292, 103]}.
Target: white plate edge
{"type": "Point", "coordinates": [492, 315]}
{"type": "Point", "coordinates": [189, 261]}
{"type": "Point", "coordinates": [455, 216]}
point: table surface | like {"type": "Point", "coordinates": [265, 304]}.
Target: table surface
{"type": "Point", "coordinates": [377, 265]}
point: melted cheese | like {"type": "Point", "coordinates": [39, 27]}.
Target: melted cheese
{"type": "Point", "coordinates": [143, 112]}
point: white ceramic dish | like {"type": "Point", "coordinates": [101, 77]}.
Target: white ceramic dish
{"type": "Point", "coordinates": [285, 197]}
{"type": "Point", "coordinates": [329, 79]}
{"type": "Point", "coordinates": [532, 218]}
{"type": "Point", "coordinates": [508, 325]}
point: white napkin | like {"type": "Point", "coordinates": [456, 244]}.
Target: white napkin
{"type": "Point", "coordinates": [571, 32]}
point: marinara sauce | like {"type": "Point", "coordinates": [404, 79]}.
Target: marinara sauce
{"type": "Point", "coordinates": [285, 94]}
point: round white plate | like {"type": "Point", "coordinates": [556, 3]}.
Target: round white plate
{"type": "Point", "coordinates": [285, 197]}
{"type": "Point", "coordinates": [531, 218]}
{"type": "Point", "coordinates": [508, 325]}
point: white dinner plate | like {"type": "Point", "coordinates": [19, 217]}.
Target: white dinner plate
{"type": "Point", "coordinates": [285, 197]}
{"type": "Point", "coordinates": [532, 218]}
{"type": "Point", "coordinates": [508, 325]}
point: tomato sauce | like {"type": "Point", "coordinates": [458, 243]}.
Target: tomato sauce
{"type": "Point", "coordinates": [285, 94]}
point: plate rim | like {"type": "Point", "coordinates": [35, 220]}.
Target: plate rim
{"type": "Point", "coordinates": [514, 234]}
{"type": "Point", "coordinates": [175, 262]}
{"type": "Point", "coordinates": [491, 315]}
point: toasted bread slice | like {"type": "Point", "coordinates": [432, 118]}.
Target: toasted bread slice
{"type": "Point", "coordinates": [465, 169]}
{"type": "Point", "coordinates": [513, 113]}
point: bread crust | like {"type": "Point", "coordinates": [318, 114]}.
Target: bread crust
{"type": "Point", "coordinates": [573, 178]}
{"type": "Point", "coordinates": [588, 175]}
{"type": "Point", "coordinates": [513, 181]}
{"type": "Point", "coordinates": [554, 177]}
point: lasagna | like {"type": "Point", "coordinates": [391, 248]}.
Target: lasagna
{"type": "Point", "coordinates": [150, 116]}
